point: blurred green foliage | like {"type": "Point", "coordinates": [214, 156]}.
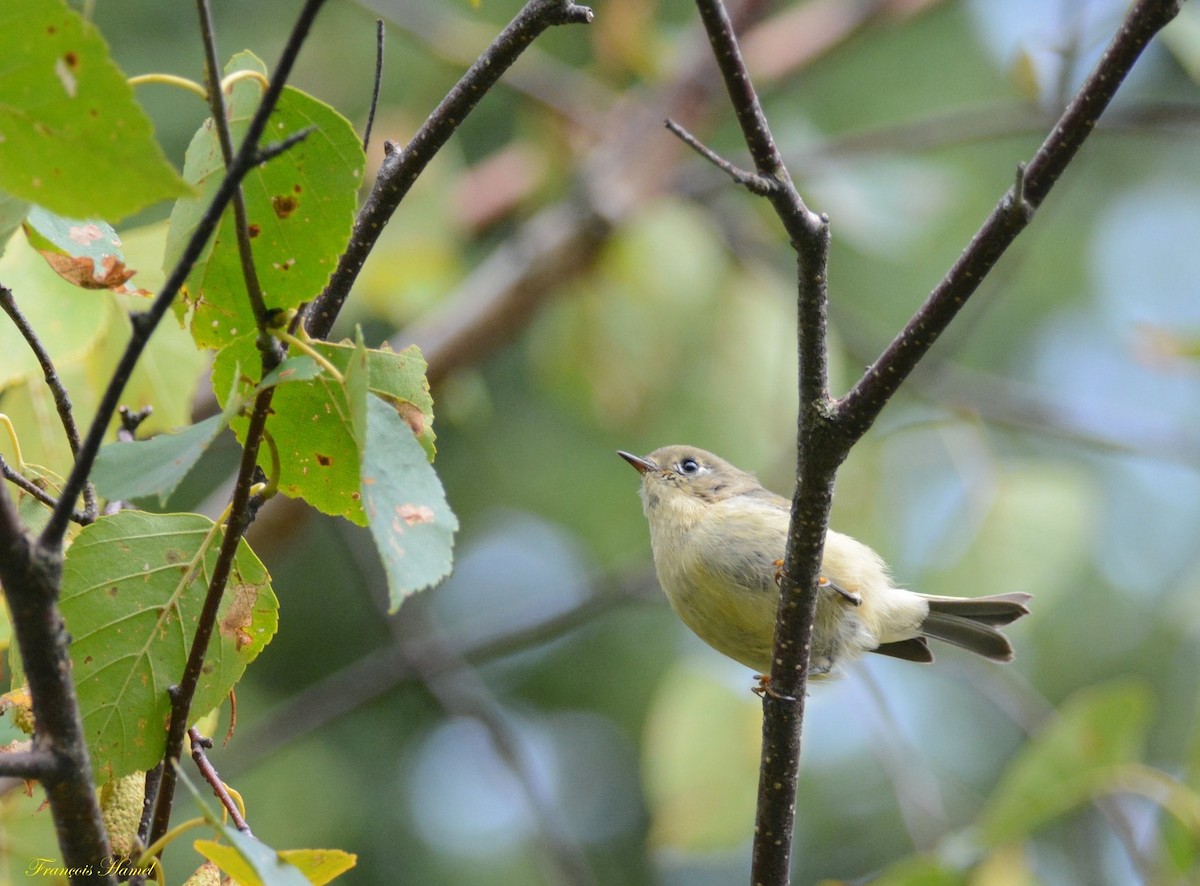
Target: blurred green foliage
{"type": "Point", "coordinates": [1049, 444]}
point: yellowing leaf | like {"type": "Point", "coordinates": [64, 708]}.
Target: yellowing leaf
{"type": "Point", "coordinates": [320, 865]}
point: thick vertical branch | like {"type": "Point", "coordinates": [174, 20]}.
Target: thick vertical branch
{"type": "Point", "coordinates": [32, 575]}
{"type": "Point", "coordinates": [827, 430]}
{"type": "Point", "coordinates": [817, 458]}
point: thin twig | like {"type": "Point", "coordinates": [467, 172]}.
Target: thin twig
{"type": "Point", "coordinates": [240, 510]}
{"type": "Point", "coordinates": [183, 693]}
{"type": "Point", "coordinates": [755, 184]}
{"type": "Point", "coordinates": [199, 745]}
{"type": "Point", "coordinates": [62, 400]}
{"type": "Point", "coordinates": [378, 83]}
{"type": "Point", "coordinates": [274, 149]}
{"type": "Point", "coordinates": [401, 167]}
{"type": "Point", "coordinates": [28, 486]}
{"type": "Point", "coordinates": [241, 224]}
{"type": "Point", "coordinates": [858, 410]}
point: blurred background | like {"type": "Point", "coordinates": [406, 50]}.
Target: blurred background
{"type": "Point", "coordinates": [580, 283]}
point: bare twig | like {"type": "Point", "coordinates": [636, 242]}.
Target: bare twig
{"type": "Point", "coordinates": [755, 184]}
{"type": "Point", "coordinates": [28, 486]}
{"type": "Point", "coordinates": [459, 39]}
{"type": "Point", "coordinates": [815, 468]}
{"type": "Point", "coordinates": [379, 34]}
{"type": "Point", "coordinates": [402, 166]}
{"type": "Point", "coordinates": [216, 104]}
{"type": "Point", "coordinates": [62, 400]}
{"type": "Point", "coordinates": [199, 745]}
{"type": "Point", "coordinates": [860, 407]}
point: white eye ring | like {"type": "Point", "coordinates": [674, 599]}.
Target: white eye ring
{"type": "Point", "coordinates": [689, 466]}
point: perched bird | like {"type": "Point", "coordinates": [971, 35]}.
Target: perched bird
{"type": "Point", "coordinates": [718, 537]}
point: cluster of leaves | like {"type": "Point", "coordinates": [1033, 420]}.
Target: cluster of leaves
{"type": "Point", "coordinates": [350, 430]}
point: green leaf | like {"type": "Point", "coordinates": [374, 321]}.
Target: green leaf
{"type": "Point", "coordinates": [302, 368]}
{"type": "Point", "coordinates": [138, 468]}
{"type": "Point", "coordinates": [74, 140]}
{"type": "Point", "coordinates": [410, 521]}
{"type": "Point", "coordinates": [311, 421]}
{"type": "Point", "coordinates": [86, 253]}
{"type": "Point", "coordinates": [300, 207]}
{"type": "Point", "coordinates": [1083, 752]}
{"type": "Point", "coordinates": [133, 587]}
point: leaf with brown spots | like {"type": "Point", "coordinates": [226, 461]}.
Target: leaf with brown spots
{"type": "Point", "coordinates": [311, 420]}
{"type": "Point", "coordinates": [85, 253]}
{"type": "Point", "coordinates": [74, 138]}
{"type": "Point", "coordinates": [129, 646]}
{"type": "Point", "coordinates": [300, 209]}
{"type": "Point", "coordinates": [410, 521]}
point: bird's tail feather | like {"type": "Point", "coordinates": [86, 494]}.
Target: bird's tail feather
{"type": "Point", "coordinates": [972, 622]}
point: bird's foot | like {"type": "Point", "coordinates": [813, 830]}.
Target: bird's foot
{"type": "Point", "coordinates": [764, 689]}
{"type": "Point", "coordinates": [824, 584]}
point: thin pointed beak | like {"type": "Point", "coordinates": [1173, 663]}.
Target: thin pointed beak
{"type": "Point", "coordinates": [642, 465]}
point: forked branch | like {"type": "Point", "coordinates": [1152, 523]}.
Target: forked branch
{"type": "Point", "coordinates": [827, 428]}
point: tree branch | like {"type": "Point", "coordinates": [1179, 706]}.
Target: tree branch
{"type": "Point", "coordinates": [30, 488]}
{"type": "Point", "coordinates": [816, 463]}
{"type": "Point", "coordinates": [827, 429]}
{"type": "Point", "coordinates": [379, 34]}
{"type": "Point", "coordinates": [859, 408]}
{"type": "Point", "coordinates": [28, 765]}
{"type": "Point", "coordinates": [402, 166]}
{"type": "Point", "coordinates": [199, 745]}
{"type": "Point", "coordinates": [31, 575]}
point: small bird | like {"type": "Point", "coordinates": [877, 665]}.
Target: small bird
{"type": "Point", "coordinates": [718, 537]}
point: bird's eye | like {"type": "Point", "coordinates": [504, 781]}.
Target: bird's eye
{"type": "Point", "coordinates": [689, 466]}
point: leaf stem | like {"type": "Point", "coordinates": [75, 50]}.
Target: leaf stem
{"type": "Point", "coordinates": [305, 346]}
{"type": "Point", "coordinates": [169, 80]}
